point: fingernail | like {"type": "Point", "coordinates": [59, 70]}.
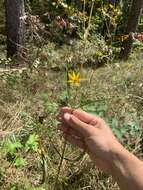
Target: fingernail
{"type": "Point", "coordinates": [67, 116]}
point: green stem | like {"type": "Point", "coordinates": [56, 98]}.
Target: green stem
{"type": "Point", "coordinates": [65, 141]}
{"type": "Point", "coordinates": [45, 172]}
{"type": "Point", "coordinates": [60, 164]}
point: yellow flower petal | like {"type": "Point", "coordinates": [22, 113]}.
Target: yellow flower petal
{"type": "Point", "coordinates": [74, 78]}
{"type": "Point", "coordinates": [74, 75]}
{"type": "Point", "coordinates": [70, 75]}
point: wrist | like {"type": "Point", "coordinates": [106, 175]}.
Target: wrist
{"type": "Point", "coordinates": [119, 158]}
{"type": "Point", "coordinates": [127, 169]}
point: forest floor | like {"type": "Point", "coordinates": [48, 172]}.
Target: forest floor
{"type": "Point", "coordinates": [31, 144]}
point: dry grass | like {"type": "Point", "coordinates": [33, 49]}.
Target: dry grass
{"type": "Point", "coordinates": [10, 119]}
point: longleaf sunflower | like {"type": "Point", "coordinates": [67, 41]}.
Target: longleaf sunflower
{"type": "Point", "coordinates": [74, 78]}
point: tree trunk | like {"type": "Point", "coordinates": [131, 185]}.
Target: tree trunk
{"type": "Point", "coordinates": [15, 27]}
{"type": "Point", "coordinates": [131, 28]}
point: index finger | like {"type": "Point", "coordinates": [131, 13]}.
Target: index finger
{"type": "Point", "coordinates": [83, 128]}
{"type": "Point", "coordinates": [80, 114]}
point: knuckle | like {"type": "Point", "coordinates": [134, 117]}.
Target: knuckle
{"type": "Point", "coordinates": [76, 111]}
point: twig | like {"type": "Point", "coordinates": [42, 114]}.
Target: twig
{"type": "Point", "coordinates": [138, 97]}
{"type": "Point", "coordinates": [89, 21]}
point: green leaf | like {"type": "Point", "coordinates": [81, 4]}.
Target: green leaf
{"type": "Point", "coordinates": [13, 147]}
{"type": "Point", "coordinates": [118, 133]}
{"type": "Point", "coordinates": [19, 162]}
{"type": "Point", "coordinates": [64, 97]}
{"type": "Point", "coordinates": [13, 188]}
{"type": "Point", "coordinates": [51, 107]}
{"type": "Point", "coordinates": [32, 143]}
{"type": "Point", "coordinates": [114, 122]}
{"type": "Point", "coordinates": [45, 97]}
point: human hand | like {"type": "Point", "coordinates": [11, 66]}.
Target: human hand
{"type": "Point", "coordinates": [91, 133]}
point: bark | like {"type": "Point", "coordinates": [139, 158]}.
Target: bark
{"type": "Point", "coordinates": [15, 27]}
{"type": "Point", "coordinates": [131, 28]}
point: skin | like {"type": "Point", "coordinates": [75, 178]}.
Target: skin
{"type": "Point", "coordinates": [91, 133]}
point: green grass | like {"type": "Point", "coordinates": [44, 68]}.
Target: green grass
{"type": "Point", "coordinates": [30, 142]}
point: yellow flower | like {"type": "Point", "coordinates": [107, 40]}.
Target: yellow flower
{"type": "Point", "coordinates": [74, 78]}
